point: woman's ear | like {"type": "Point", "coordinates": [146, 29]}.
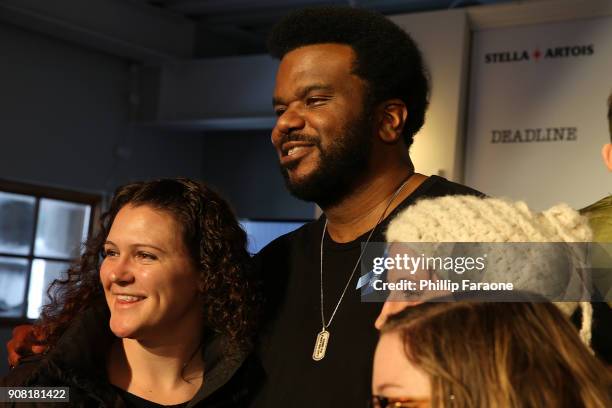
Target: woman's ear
{"type": "Point", "coordinates": [393, 114]}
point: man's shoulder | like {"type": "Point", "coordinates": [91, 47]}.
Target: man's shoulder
{"type": "Point", "coordinates": [602, 206]}
{"type": "Point", "coordinates": [436, 186]}
{"type": "Point", "coordinates": [282, 243]}
{"type": "Point", "coordinates": [600, 219]}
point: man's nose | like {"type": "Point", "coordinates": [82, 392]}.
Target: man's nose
{"type": "Point", "coordinates": [290, 120]}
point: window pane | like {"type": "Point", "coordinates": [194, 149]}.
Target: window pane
{"type": "Point", "coordinates": [13, 272]}
{"type": "Point", "coordinates": [61, 228]}
{"type": "Point", "coordinates": [16, 223]}
{"type": "Point", "coordinates": [43, 274]}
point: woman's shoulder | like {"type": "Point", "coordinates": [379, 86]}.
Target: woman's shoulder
{"type": "Point", "coordinates": [235, 386]}
{"type": "Point", "coordinates": [25, 373]}
{"type": "Point", "coordinates": [41, 371]}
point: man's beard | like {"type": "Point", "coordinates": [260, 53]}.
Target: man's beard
{"type": "Point", "coordinates": [340, 168]}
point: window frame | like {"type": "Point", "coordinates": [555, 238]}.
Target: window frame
{"type": "Point", "coordinates": [39, 192]}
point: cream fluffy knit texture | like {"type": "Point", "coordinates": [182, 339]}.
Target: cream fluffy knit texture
{"type": "Point", "coordinates": [474, 219]}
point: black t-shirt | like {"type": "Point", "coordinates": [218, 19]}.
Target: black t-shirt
{"type": "Point", "coordinates": [291, 272]}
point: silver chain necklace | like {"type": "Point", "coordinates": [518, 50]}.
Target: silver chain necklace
{"type": "Point", "coordinates": [323, 336]}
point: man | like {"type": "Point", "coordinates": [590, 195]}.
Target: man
{"type": "Point", "coordinates": [600, 213]}
{"type": "Point", "coordinates": [351, 92]}
{"type": "Point", "coordinates": [600, 220]}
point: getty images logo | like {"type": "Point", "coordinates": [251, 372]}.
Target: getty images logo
{"type": "Point", "coordinates": [537, 54]}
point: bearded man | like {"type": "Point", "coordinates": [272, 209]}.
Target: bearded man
{"type": "Point", "coordinates": [351, 92]}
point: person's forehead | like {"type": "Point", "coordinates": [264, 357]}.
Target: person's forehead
{"type": "Point", "coordinates": [318, 61]}
{"type": "Point", "coordinates": [396, 375]}
{"type": "Point", "coordinates": [146, 224]}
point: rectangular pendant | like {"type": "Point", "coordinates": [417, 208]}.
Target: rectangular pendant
{"type": "Point", "coordinates": [320, 345]}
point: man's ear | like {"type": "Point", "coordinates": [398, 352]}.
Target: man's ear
{"type": "Point", "coordinates": [393, 114]}
{"type": "Point", "coordinates": [606, 153]}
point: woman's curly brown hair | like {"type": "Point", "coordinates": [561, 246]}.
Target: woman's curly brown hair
{"type": "Point", "coordinates": [214, 239]}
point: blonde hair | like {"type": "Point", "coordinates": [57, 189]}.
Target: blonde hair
{"type": "Point", "coordinates": [501, 355]}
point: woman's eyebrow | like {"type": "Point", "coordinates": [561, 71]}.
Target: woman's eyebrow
{"type": "Point", "coordinates": [137, 244]}
{"type": "Point", "coordinates": [385, 386]}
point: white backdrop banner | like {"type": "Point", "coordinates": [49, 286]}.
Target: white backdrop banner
{"type": "Point", "coordinates": [538, 114]}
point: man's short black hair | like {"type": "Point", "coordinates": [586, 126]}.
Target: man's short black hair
{"type": "Point", "coordinates": [386, 57]}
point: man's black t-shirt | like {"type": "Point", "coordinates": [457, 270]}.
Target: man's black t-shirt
{"type": "Point", "coordinates": [291, 271]}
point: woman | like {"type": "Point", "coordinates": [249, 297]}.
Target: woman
{"type": "Point", "coordinates": [485, 354]}
{"type": "Point", "coordinates": [160, 310]}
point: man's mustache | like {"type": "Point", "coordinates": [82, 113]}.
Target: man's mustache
{"type": "Point", "coordinates": [299, 137]}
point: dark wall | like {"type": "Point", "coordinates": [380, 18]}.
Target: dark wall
{"type": "Point", "coordinates": [64, 119]}
{"type": "Point", "coordinates": [243, 166]}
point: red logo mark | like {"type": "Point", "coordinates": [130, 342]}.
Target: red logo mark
{"type": "Point", "coordinates": [537, 54]}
